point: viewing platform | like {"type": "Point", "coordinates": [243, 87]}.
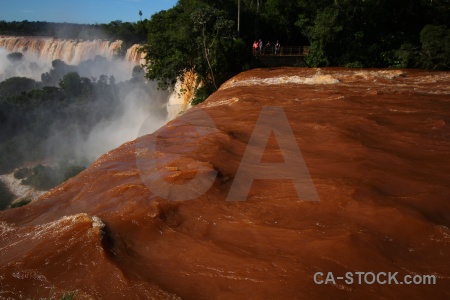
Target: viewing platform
{"type": "Point", "coordinates": [286, 56]}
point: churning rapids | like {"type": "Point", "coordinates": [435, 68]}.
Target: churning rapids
{"type": "Point", "coordinates": [377, 147]}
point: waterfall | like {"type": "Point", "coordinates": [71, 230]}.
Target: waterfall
{"type": "Point", "coordinates": [180, 98]}
{"type": "Point", "coordinates": [70, 51]}
{"type": "Point", "coordinates": [75, 51]}
{"type": "Point", "coordinates": [134, 55]}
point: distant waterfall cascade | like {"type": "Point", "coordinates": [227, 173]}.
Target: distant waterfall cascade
{"type": "Point", "coordinates": [70, 51]}
{"type": "Point", "coordinates": [46, 49]}
{"type": "Point", "coordinates": [134, 55]}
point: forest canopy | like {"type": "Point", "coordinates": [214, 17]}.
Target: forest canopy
{"type": "Point", "coordinates": [201, 35]}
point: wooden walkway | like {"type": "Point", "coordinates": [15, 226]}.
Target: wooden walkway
{"type": "Point", "coordinates": [298, 51]}
{"type": "Point", "coordinates": [287, 56]}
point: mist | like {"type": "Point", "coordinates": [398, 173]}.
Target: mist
{"type": "Point", "coordinates": [30, 66]}
{"type": "Point", "coordinates": [133, 106]}
{"type": "Point", "coordinates": [79, 124]}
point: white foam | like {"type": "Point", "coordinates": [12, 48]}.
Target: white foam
{"type": "Point", "coordinates": [317, 78]}
{"type": "Point", "coordinates": [20, 190]}
{"type": "Point", "coordinates": [222, 102]}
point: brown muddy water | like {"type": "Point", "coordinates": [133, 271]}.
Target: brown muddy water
{"type": "Point", "coordinates": [373, 144]}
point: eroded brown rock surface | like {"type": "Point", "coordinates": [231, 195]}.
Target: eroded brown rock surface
{"type": "Point", "coordinates": [376, 144]}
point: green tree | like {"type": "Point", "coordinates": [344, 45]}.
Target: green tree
{"type": "Point", "coordinates": [71, 171]}
{"type": "Point", "coordinates": [15, 57]}
{"type": "Point", "coordinates": [323, 34]}
{"type": "Point", "coordinates": [74, 85]}
{"type": "Point", "coordinates": [21, 203]}
{"type": "Point", "coordinates": [43, 178]}
{"type": "Point", "coordinates": [5, 196]}
{"type": "Point", "coordinates": [435, 42]}
{"type": "Point", "coordinates": [168, 47]}
{"type": "Point", "coordinates": [17, 85]}
{"type": "Point", "coordinates": [280, 18]}
{"type": "Point", "coordinates": [212, 32]}
{"type": "Point", "coordinates": [369, 33]}
{"type": "Point", "coordinates": [56, 73]}
{"type": "Point", "coordinates": [192, 36]}
{"type": "Point", "coordinates": [138, 75]}
{"type": "Point", "coordinates": [71, 84]}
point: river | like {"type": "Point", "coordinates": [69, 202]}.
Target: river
{"type": "Point", "coordinates": [372, 147]}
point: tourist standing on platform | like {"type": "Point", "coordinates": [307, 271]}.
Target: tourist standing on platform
{"type": "Point", "coordinates": [277, 47]}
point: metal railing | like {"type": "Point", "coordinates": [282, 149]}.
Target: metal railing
{"type": "Point", "coordinates": [282, 51]}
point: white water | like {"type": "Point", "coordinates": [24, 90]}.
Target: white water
{"type": "Point", "coordinates": [135, 107]}
{"type": "Point", "coordinates": [18, 189]}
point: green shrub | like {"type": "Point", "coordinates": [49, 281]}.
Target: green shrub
{"type": "Point", "coordinates": [22, 173]}
{"type": "Point", "coordinates": [15, 56]}
{"type": "Point", "coordinates": [17, 85]}
{"type": "Point", "coordinates": [71, 84]}
{"type": "Point", "coordinates": [355, 64]}
{"type": "Point", "coordinates": [202, 93]}
{"type": "Point", "coordinates": [5, 196]}
{"type": "Point", "coordinates": [43, 178]}
{"type": "Point", "coordinates": [11, 154]}
{"type": "Point", "coordinates": [69, 295]}
{"type": "Point", "coordinates": [435, 47]}
{"type": "Point", "coordinates": [406, 56]}
{"type": "Point", "coordinates": [20, 203]}
{"type": "Point", "coordinates": [71, 171]}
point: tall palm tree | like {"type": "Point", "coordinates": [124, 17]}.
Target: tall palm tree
{"type": "Point", "coordinates": [140, 14]}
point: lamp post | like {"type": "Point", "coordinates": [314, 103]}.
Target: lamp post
{"type": "Point", "coordinates": [239, 18]}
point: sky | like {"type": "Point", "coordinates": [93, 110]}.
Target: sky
{"type": "Point", "coordinates": [81, 11]}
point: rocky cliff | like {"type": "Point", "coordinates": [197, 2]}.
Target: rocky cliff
{"type": "Point", "coordinates": [362, 188]}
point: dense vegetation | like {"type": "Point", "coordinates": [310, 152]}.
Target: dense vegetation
{"type": "Point", "coordinates": [5, 196]}
{"type": "Point", "coordinates": [20, 203]}
{"type": "Point", "coordinates": [44, 120]}
{"type": "Point", "coordinates": [48, 120]}
{"type": "Point", "coordinates": [201, 35]}
{"type": "Point", "coordinates": [45, 177]}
